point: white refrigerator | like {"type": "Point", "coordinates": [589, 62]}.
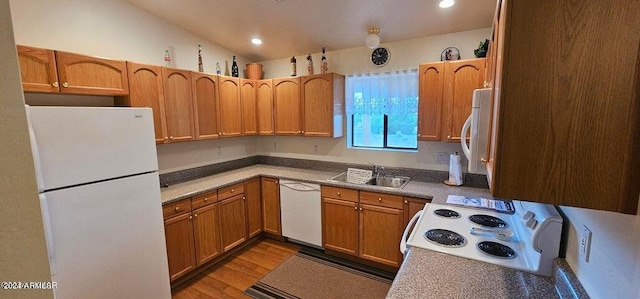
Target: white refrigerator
{"type": "Point", "coordinates": [100, 197]}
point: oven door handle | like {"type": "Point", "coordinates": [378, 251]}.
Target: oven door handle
{"type": "Point", "coordinates": [403, 242]}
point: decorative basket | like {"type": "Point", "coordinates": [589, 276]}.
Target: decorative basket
{"type": "Point", "coordinates": [254, 71]}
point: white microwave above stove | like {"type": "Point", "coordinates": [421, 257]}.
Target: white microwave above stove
{"type": "Point", "coordinates": [527, 240]}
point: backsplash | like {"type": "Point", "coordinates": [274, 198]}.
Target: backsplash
{"type": "Point", "coordinates": [435, 176]}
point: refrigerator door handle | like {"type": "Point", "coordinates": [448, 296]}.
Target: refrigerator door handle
{"type": "Point", "coordinates": [463, 139]}
{"type": "Point", "coordinates": [35, 153]}
{"type": "Point", "coordinates": [44, 207]}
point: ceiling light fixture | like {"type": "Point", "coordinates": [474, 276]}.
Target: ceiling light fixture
{"type": "Point", "coordinates": [446, 3]}
{"type": "Point", "coordinates": [373, 39]}
{"type": "Point", "coordinates": [256, 41]}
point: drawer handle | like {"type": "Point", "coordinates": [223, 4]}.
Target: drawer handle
{"type": "Point", "coordinates": [177, 208]}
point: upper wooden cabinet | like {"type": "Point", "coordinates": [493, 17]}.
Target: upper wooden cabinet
{"type": "Point", "coordinates": [446, 91]}
{"type": "Point", "coordinates": [146, 90]}
{"type": "Point", "coordinates": [322, 98]}
{"type": "Point", "coordinates": [430, 96]}
{"type": "Point", "coordinates": [249, 106]}
{"type": "Point", "coordinates": [264, 98]}
{"type": "Point", "coordinates": [44, 70]}
{"type": "Point", "coordinates": [230, 107]}
{"type": "Point", "coordinates": [461, 78]}
{"type": "Point", "coordinates": [566, 126]}
{"type": "Point", "coordinates": [205, 105]}
{"type": "Point", "coordinates": [38, 69]}
{"type": "Point", "coordinates": [286, 100]}
{"type": "Point", "coordinates": [81, 74]}
{"type": "Point", "coordinates": [178, 104]}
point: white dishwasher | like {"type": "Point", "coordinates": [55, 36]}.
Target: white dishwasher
{"type": "Point", "coordinates": [301, 212]}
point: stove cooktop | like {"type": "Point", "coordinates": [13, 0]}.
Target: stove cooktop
{"type": "Point", "coordinates": [486, 236]}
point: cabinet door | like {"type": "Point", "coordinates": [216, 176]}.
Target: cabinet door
{"type": "Point", "coordinates": [271, 206]}
{"type": "Point", "coordinates": [430, 101]}
{"type": "Point", "coordinates": [254, 206]}
{"type": "Point", "coordinates": [230, 107]}
{"type": "Point", "coordinates": [205, 105]}
{"type": "Point", "coordinates": [180, 245]}
{"type": "Point", "coordinates": [206, 228]}
{"type": "Point", "coordinates": [146, 90]}
{"type": "Point", "coordinates": [316, 94]}
{"type": "Point", "coordinates": [81, 74]}
{"type": "Point", "coordinates": [413, 206]}
{"type": "Point", "coordinates": [178, 104]}
{"type": "Point", "coordinates": [340, 225]}
{"type": "Point", "coordinates": [233, 218]}
{"type": "Point", "coordinates": [248, 97]}
{"type": "Point", "coordinates": [265, 107]}
{"type": "Point", "coordinates": [461, 79]}
{"type": "Point", "coordinates": [380, 233]}
{"type": "Point", "coordinates": [38, 69]}
{"type": "Point", "coordinates": [286, 98]}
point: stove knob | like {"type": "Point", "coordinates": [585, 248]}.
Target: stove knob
{"type": "Point", "coordinates": [531, 223]}
{"type": "Point", "coordinates": [528, 215]}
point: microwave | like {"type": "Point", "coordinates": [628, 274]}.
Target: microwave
{"type": "Point", "coordinates": [477, 125]}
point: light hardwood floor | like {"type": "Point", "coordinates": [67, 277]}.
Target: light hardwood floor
{"type": "Point", "coordinates": [231, 276]}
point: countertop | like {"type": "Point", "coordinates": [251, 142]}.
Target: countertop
{"type": "Point", "coordinates": [417, 189]}
{"type": "Point", "coordinates": [424, 273]}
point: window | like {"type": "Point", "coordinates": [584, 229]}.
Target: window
{"type": "Point", "coordinates": [382, 110]}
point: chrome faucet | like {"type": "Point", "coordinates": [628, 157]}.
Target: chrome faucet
{"type": "Point", "coordinates": [377, 170]}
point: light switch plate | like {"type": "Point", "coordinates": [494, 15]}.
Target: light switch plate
{"type": "Point", "coordinates": [442, 158]}
{"type": "Point", "coordinates": [585, 243]}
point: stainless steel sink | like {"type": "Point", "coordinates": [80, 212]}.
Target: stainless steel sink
{"type": "Point", "coordinates": [386, 181]}
{"type": "Point", "coordinates": [395, 182]}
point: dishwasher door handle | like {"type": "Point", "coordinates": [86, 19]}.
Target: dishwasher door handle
{"type": "Point", "coordinates": [300, 187]}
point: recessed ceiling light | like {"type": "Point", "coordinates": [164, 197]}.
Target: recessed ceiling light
{"type": "Point", "coordinates": [446, 3]}
{"type": "Point", "coordinates": [256, 41]}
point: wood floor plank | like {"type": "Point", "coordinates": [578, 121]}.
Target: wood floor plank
{"type": "Point", "coordinates": [230, 277]}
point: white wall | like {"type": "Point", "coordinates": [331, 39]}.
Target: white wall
{"type": "Point", "coordinates": [23, 250]}
{"type": "Point", "coordinates": [613, 270]}
{"type": "Point", "coordinates": [112, 29]}
{"type": "Point", "coordinates": [185, 155]}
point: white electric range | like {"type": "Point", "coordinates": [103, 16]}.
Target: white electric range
{"type": "Point", "coordinates": [527, 239]}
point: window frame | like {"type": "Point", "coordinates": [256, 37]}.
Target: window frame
{"type": "Point", "coordinates": [385, 131]}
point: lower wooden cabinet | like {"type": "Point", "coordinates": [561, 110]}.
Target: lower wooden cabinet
{"type": "Point", "coordinates": [413, 206]}
{"type": "Point", "coordinates": [363, 224]}
{"type": "Point", "coordinates": [180, 245]}
{"type": "Point", "coordinates": [233, 222]}
{"type": "Point", "coordinates": [340, 225]}
{"type": "Point", "coordinates": [206, 230]}
{"type": "Point", "coordinates": [271, 206]}
{"type": "Point", "coordinates": [254, 206]}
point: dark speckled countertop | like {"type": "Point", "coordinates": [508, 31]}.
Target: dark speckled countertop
{"type": "Point", "coordinates": [424, 273]}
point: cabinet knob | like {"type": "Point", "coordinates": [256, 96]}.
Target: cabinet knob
{"type": "Point", "coordinates": [419, 135]}
{"type": "Point", "coordinates": [379, 199]}
{"type": "Point", "coordinates": [276, 182]}
{"type": "Point", "coordinates": [195, 215]}
{"type": "Point", "coordinates": [190, 217]}
{"type": "Point", "coordinates": [355, 208]}
{"type": "Point", "coordinates": [338, 193]}
{"type": "Point", "coordinates": [449, 137]}
{"type": "Point", "coordinates": [224, 133]}
{"type": "Point", "coordinates": [55, 84]}
{"type": "Point", "coordinates": [232, 190]}
{"type": "Point", "coordinates": [271, 131]}
{"type": "Point", "coordinates": [219, 134]}
{"type": "Point", "coordinates": [483, 160]}
{"type": "Point", "coordinates": [205, 199]}
{"type": "Point", "coordinates": [65, 84]}
{"type": "Point", "coordinates": [302, 132]}
{"type": "Point", "coordinates": [244, 197]}
{"type": "Point", "coordinates": [406, 201]}
{"type": "Point", "coordinates": [166, 139]}
{"type": "Point", "coordinates": [360, 209]}
{"type": "Point", "coordinates": [177, 208]}
{"type": "Point", "coordinates": [170, 137]}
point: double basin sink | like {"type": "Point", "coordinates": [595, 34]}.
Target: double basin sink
{"type": "Point", "coordinates": [386, 181]}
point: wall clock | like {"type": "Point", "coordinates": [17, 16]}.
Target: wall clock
{"type": "Point", "coordinates": [380, 56]}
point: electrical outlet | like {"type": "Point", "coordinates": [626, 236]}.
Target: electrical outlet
{"type": "Point", "coordinates": [315, 149]}
{"type": "Point", "coordinates": [585, 243]}
{"type": "Point", "coordinates": [442, 158]}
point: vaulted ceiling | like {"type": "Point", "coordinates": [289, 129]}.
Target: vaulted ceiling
{"type": "Point", "coordinates": [295, 27]}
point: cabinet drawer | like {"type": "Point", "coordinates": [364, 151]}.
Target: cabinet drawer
{"type": "Point", "coordinates": [229, 191]}
{"type": "Point", "coordinates": [383, 200]}
{"type": "Point", "coordinates": [204, 199]}
{"type": "Point", "coordinates": [176, 208]}
{"type": "Point", "coordinates": [340, 193]}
